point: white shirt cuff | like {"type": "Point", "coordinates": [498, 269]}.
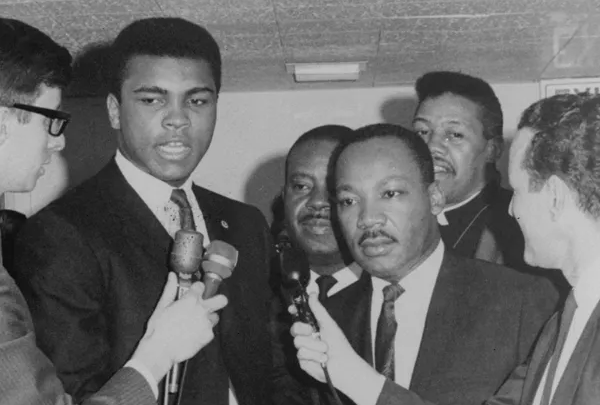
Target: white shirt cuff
{"type": "Point", "coordinates": [143, 370]}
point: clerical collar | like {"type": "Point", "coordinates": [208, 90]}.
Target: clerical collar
{"type": "Point", "coordinates": [441, 217]}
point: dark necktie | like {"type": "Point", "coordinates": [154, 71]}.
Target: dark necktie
{"type": "Point", "coordinates": [566, 318]}
{"type": "Point", "coordinates": [386, 332]}
{"type": "Point", "coordinates": [325, 283]}
{"type": "Point", "coordinates": [186, 217]}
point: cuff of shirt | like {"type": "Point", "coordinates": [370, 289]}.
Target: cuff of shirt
{"type": "Point", "coordinates": [143, 370]}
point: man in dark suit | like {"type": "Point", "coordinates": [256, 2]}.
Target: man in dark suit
{"type": "Point", "coordinates": [446, 327]}
{"type": "Point", "coordinates": [31, 131]}
{"type": "Point", "coordinates": [93, 262]}
{"type": "Point", "coordinates": [460, 118]}
{"type": "Point", "coordinates": [306, 217]}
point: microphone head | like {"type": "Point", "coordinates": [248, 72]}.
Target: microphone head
{"type": "Point", "coordinates": [220, 259]}
{"type": "Point", "coordinates": [187, 251]}
{"type": "Point", "coordinates": [293, 262]}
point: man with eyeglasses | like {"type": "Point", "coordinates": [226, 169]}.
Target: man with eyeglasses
{"type": "Point", "coordinates": [33, 72]}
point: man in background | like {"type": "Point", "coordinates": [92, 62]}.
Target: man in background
{"type": "Point", "coordinates": [94, 261]}
{"type": "Point", "coordinates": [309, 221]}
{"type": "Point", "coordinates": [33, 72]}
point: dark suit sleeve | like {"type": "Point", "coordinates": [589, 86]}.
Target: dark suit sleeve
{"type": "Point", "coordinates": [511, 391]}
{"type": "Point", "coordinates": [27, 377]}
{"type": "Point", "coordinates": [62, 281]}
{"type": "Point", "coordinates": [393, 394]}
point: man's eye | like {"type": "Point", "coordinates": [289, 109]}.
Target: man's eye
{"type": "Point", "coordinates": [198, 101]}
{"type": "Point", "coordinates": [422, 132]}
{"type": "Point", "coordinates": [345, 202]}
{"type": "Point", "coordinates": [455, 135]}
{"type": "Point", "coordinates": [392, 193]}
{"type": "Point", "coordinates": [149, 100]}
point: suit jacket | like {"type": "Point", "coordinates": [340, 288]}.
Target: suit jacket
{"type": "Point", "coordinates": [93, 265]}
{"type": "Point", "coordinates": [580, 382]}
{"type": "Point", "coordinates": [27, 377]}
{"type": "Point", "coordinates": [488, 212]}
{"type": "Point", "coordinates": [482, 322]}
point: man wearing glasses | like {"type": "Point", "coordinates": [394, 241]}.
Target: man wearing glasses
{"type": "Point", "coordinates": [33, 72]}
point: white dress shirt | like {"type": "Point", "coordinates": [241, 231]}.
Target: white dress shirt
{"type": "Point", "coordinates": [587, 296]}
{"type": "Point", "coordinates": [411, 311]}
{"type": "Point", "coordinates": [345, 277]}
{"type": "Point", "coordinates": [156, 194]}
{"type": "Point", "coordinates": [441, 217]}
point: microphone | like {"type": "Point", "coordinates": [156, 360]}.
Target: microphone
{"type": "Point", "coordinates": [185, 259]}
{"type": "Point", "coordinates": [219, 262]}
{"type": "Point", "coordinates": [295, 275]}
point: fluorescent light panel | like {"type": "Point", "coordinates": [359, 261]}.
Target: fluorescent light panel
{"type": "Point", "coordinates": [326, 72]}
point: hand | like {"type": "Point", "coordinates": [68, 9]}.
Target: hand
{"type": "Point", "coordinates": [330, 348]}
{"type": "Point", "coordinates": [177, 330]}
{"type": "Point", "coordinates": [348, 371]}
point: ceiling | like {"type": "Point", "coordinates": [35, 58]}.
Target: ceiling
{"type": "Point", "coordinates": [499, 40]}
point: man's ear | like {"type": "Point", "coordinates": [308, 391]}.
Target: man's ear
{"type": "Point", "coordinates": [436, 198]}
{"type": "Point", "coordinates": [114, 112]}
{"type": "Point", "coordinates": [558, 194]}
{"type": "Point", "coordinates": [494, 150]}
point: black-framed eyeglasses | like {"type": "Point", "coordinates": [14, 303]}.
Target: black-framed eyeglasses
{"type": "Point", "coordinates": [58, 119]}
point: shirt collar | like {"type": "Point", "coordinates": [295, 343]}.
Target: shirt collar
{"type": "Point", "coordinates": [154, 192]}
{"type": "Point", "coordinates": [586, 291]}
{"type": "Point", "coordinates": [441, 217]}
{"type": "Point", "coordinates": [421, 278]}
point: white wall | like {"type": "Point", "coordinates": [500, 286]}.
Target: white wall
{"type": "Point", "coordinates": [254, 132]}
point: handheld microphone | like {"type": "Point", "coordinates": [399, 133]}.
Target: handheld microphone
{"type": "Point", "coordinates": [185, 259]}
{"type": "Point", "coordinates": [219, 262]}
{"type": "Point", "coordinates": [295, 275]}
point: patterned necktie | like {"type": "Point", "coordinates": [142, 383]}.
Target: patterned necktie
{"type": "Point", "coordinates": [325, 283]}
{"type": "Point", "coordinates": [386, 332]}
{"type": "Point", "coordinates": [186, 218]}
{"type": "Point", "coordinates": [566, 318]}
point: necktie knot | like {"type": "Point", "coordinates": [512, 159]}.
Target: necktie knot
{"type": "Point", "coordinates": [186, 217]}
{"type": "Point", "coordinates": [392, 292]}
{"type": "Point", "coordinates": [325, 284]}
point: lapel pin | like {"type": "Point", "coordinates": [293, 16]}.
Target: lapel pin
{"type": "Point", "coordinates": [224, 224]}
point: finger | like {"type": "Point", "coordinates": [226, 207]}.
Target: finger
{"type": "Point", "coordinates": [309, 355]}
{"type": "Point", "coordinates": [215, 303]}
{"type": "Point", "coordinates": [310, 343]}
{"type": "Point", "coordinates": [293, 310]}
{"type": "Point", "coordinates": [301, 329]}
{"type": "Point", "coordinates": [169, 292]}
{"type": "Point", "coordinates": [213, 318]}
{"type": "Point", "coordinates": [197, 288]}
{"type": "Point", "coordinates": [319, 311]}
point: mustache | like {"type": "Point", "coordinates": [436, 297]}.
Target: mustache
{"type": "Point", "coordinates": [375, 234]}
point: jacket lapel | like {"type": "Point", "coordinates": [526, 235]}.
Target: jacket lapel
{"type": "Point", "coordinates": [136, 221]}
{"type": "Point", "coordinates": [539, 359]}
{"type": "Point", "coordinates": [351, 309]}
{"type": "Point", "coordinates": [440, 319]}
{"type": "Point", "coordinates": [569, 383]}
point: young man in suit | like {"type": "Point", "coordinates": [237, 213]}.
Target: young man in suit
{"type": "Point", "coordinates": [33, 72]}
{"type": "Point", "coordinates": [448, 328]}
{"type": "Point", "coordinates": [94, 261]}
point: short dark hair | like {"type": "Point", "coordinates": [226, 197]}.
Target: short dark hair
{"type": "Point", "coordinates": [28, 59]}
{"type": "Point", "coordinates": [162, 37]}
{"type": "Point", "coordinates": [478, 91]}
{"type": "Point", "coordinates": [414, 142]}
{"type": "Point", "coordinates": [566, 144]}
{"type": "Point", "coordinates": [332, 133]}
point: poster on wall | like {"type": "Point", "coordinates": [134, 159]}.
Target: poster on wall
{"type": "Point", "coordinates": [551, 87]}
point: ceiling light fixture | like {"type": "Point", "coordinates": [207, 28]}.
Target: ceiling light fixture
{"type": "Point", "coordinates": [326, 72]}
